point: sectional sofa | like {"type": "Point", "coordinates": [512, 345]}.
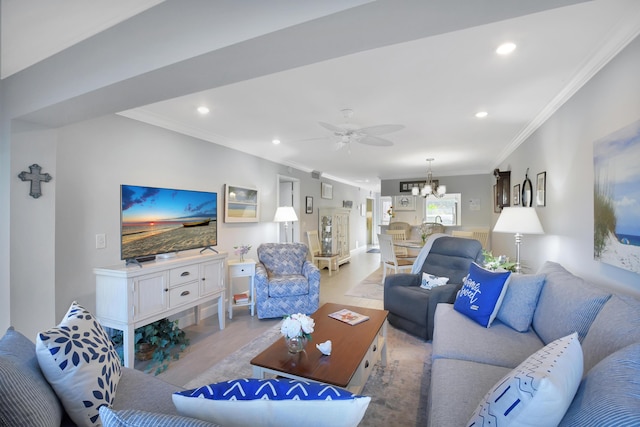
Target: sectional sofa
{"type": "Point", "coordinates": [474, 366]}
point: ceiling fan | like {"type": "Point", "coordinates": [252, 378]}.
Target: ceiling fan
{"type": "Point", "coordinates": [348, 133]}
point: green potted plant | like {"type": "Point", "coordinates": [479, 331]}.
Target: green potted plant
{"type": "Point", "coordinates": [160, 342]}
{"type": "Point", "coordinates": [497, 263]}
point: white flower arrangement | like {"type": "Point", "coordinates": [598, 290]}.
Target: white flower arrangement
{"type": "Point", "coordinates": [297, 325]}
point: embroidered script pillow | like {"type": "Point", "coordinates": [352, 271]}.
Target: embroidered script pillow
{"type": "Point", "coordinates": [481, 294]}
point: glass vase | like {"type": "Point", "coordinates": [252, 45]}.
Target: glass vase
{"type": "Point", "coordinates": [296, 344]}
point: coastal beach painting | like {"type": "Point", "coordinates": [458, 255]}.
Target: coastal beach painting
{"type": "Point", "coordinates": [617, 198]}
{"type": "Point", "coordinates": [241, 204]}
{"type": "Point", "coordinates": [162, 221]}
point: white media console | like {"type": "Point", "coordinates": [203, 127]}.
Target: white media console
{"type": "Point", "coordinates": [128, 297]}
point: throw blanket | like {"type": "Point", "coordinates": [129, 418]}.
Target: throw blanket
{"type": "Point", "coordinates": [422, 256]}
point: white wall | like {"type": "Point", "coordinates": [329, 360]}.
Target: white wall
{"type": "Point", "coordinates": [95, 157]}
{"type": "Point", "coordinates": [5, 213]}
{"type": "Point", "coordinates": [478, 187]}
{"type": "Point", "coordinates": [32, 230]}
{"type": "Point", "coordinates": [563, 147]}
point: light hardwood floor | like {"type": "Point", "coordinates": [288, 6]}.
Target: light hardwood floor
{"type": "Point", "coordinates": [209, 344]}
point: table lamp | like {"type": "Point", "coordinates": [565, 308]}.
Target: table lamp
{"type": "Point", "coordinates": [285, 214]}
{"type": "Point", "coordinates": [519, 221]}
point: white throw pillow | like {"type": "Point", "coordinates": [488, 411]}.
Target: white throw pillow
{"type": "Point", "coordinates": [536, 393]}
{"type": "Point", "coordinates": [272, 402]}
{"type": "Point", "coordinates": [79, 361]}
{"type": "Point", "coordinates": [429, 281]}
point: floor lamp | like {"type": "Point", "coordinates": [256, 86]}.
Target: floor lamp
{"type": "Point", "coordinates": [285, 214]}
{"type": "Point", "coordinates": [519, 221]}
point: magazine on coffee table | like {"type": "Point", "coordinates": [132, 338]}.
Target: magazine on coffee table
{"type": "Point", "coordinates": [348, 316]}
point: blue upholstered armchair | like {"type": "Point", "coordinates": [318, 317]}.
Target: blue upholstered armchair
{"type": "Point", "coordinates": [286, 282]}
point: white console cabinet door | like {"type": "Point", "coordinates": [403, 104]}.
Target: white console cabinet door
{"type": "Point", "coordinates": [150, 295]}
{"type": "Point", "coordinates": [212, 277]}
{"type": "Point", "coordinates": [128, 297]}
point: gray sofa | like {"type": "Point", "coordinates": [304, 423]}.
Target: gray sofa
{"type": "Point", "coordinates": [412, 308]}
{"type": "Point", "coordinates": [468, 359]}
{"type": "Point", "coordinates": [27, 399]}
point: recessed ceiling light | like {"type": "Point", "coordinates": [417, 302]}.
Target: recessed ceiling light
{"type": "Point", "coordinates": [506, 48]}
{"type": "Point", "coordinates": [481, 114]}
{"type": "Point", "coordinates": [276, 141]}
{"type": "Point", "coordinates": [203, 110]}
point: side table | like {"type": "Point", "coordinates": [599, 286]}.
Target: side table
{"type": "Point", "coordinates": [245, 268]}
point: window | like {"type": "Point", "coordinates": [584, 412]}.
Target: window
{"type": "Point", "coordinates": [445, 210]}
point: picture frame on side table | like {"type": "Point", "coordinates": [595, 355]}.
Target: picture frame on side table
{"type": "Point", "coordinates": [326, 190]}
{"type": "Point", "coordinates": [308, 205]}
{"type": "Point", "coordinates": [241, 204]}
{"type": "Point", "coordinates": [516, 195]}
{"type": "Point", "coordinates": [541, 189]}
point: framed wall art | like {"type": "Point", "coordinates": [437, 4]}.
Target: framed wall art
{"type": "Point", "coordinates": [326, 190]}
{"type": "Point", "coordinates": [516, 195]}
{"type": "Point", "coordinates": [541, 189]}
{"type": "Point", "coordinates": [308, 205]}
{"type": "Point", "coordinates": [404, 203]}
{"type": "Point", "coordinates": [241, 204]}
{"type": "Point", "coordinates": [406, 186]}
{"type": "Point", "coordinates": [616, 237]}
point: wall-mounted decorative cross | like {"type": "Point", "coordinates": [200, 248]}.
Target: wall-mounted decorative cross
{"type": "Point", "coordinates": [35, 177]}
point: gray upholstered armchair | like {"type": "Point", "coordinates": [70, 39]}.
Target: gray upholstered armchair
{"type": "Point", "coordinates": [412, 308]}
{"type": "Point", "coordinates": [286, 282]}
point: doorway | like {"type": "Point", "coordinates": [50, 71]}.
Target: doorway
{"type": "Point", "coordinates": [288, 194]}
{"type": "Point", "coordinates": [370, 218]}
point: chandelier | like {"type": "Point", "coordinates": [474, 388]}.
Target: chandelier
{"type": "Point", "coordinates": [431, 187]}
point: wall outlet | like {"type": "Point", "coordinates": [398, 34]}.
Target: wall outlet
{"type": "Point", "coordinates": [101, 241]}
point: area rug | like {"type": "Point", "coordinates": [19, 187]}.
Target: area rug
{"type": "Point", "coordinates": [398, 390]}
{"type": "Point", "coordinates": [371, 287]}
{"type": "Point", "coordinates": [373, 251]}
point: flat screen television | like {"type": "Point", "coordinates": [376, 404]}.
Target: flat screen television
{"type": "Point", "coordinates": [155, 221]}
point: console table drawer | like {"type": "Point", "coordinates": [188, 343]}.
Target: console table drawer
{"type": "Point", "coordinates": [184, 274]}
{"type": "Point", "coordinates": [183, 294]}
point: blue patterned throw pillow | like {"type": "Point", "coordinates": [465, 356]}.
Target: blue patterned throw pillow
{"type": "Point", "coordinates": [481, 294]}
{"type": "Point", "coordinates": [79, 361]}
{"type": "Point", "coordinates": [266, 402]}
{"type": "Point", "coordinates": [429, 281]}
{"type": "Point", "coordinates": [537, 392]}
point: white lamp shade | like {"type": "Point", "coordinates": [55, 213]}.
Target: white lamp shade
{"type": "Point", "coordinates": [518, 220]}
{"type": "Point", "coordinates": [285, 214]}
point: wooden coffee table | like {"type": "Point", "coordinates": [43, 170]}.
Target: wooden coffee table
{"type": "Point", "coordinates": [356, 349]}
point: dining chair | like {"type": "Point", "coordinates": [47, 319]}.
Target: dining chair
{"type": "Point", "coordinates": [389, 259]}
{"type": "Point", "coordinates": [462, 233]}
{"type": "Point", "coordinates": [317, 257]}
{"type": "Point", "coordinates": [398, 235]}
{"type": "Point", "coordinates": [483, 237]}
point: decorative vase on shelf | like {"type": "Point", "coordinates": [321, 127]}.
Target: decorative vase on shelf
{"type": "Point", "coordinates": [296, 344]}
{"type": "Point", "coordinates": [241, 257]}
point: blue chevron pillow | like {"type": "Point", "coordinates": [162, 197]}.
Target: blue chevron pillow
{"type": "Point", "coordinates": [283, 402]}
